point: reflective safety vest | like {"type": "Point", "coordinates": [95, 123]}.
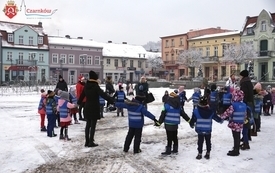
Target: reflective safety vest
{"type": "Point", "coordinates": [172, 115]}
{"type": "Point", "coordinates": [63, 110]}
{"type": "Point", "coordinates": [101, 101]}
{"type": "Point", "coordinates": [120, 96]}
{"type": "Point", "coordinates": [226, 99]}
{"type": "Point", "coordinates": [239, 112]}
{"type": "Point", "coordinates": [181, 95]}
{"type": "Point", "coordinates": [135, 116]}
{"type": "Point", "coordinates": [41, 104]}
{"type": "Point", "coordinates": [196, 97]}
{"type": "Point", "coordinates": [50, 106]}
{"type": "Point", "coordinates": [203, 125]}
{"type": "Point", "coordinates": [258, 104]}
{"type": "Point", "coordinates": [73, 99]}
{"type": "Point", "coordinates": [213, 97]}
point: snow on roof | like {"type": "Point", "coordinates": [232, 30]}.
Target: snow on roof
{"type": "Point", "coordinates": [250, 25]}
{"type": "Point", "coordinates": [153, 54]}
{"type": "Point", "coordinates": [73, 42]}
{"type": "Point", "coordinates": [6, 44]}
{"type": "Point", "coordinates": [11, 27]}
{"type": "Point", "coordinates": [215, 35]}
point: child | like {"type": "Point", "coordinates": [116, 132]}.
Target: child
{"type": "Point", "coordinates": [63, 107]}
{"type": "Point", "coordinates": [170, 115]}
{"type": "Point", "coordinates": [267, 101]}
{"type": "Point", "coordinates": [182, 96]}
{"type": "Point", "coordinates": [236, 114]}
{"type": "Point", "coordinates": [273, 99]}
{"type": "Point", "coordinates": [56, 98]}
{"type": "Point", "coordinates": [258, 102]}
{"type": "Point", "coordinates": [226, 99]}
{"type": "Point", "coordinates": [51, 113]}
{"type": "Point", "coordinates": [42, 110]}
{"type": "Point", "coordinates": [130, 90]}
{"type": "Point", "coordinates": [165, 97]}
{"type": "Point", "coordinates": [195, 97]}
{"type": "Point", "coordinates": [120, 97]}
{"type": "Point", "coordinates": [102, 104]}
{"type": "Point", "coordinates": [246, 127]}
{"type": "Point", "coordinates": [203, 116]}
{"type": "Point", "coordinates": [136, 112]}
{"type": "Point", "coordinates": [213, 104]}
{"type": "Point", "coordinates": [74, 111]}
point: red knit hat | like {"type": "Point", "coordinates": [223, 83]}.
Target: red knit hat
{"type": "Point", "coordinates": [81, 78]}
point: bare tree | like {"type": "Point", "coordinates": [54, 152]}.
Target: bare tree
{"type": "Point", "coordinates": [239, 54]}
{"type": "Point", "coordinates": [191, 58]}
{"type": "Point", "coordinates": [154, 61]}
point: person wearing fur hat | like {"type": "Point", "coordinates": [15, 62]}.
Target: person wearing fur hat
{"type": "Point", "coordinates": [92, 91]}
{"type": "Point", "coordinates": [236, 114]}
{"type": "Point", "coordinates": [79, 89]}
{"type": "Point", "coordinates": [51, 112]}
{"type": "Point", "coordinates": [62, 84]}
{"type": "Point", "coordinates": [63, 107]}
{"type": "Point", "coordinates": [42, 110]}
{"type": "Point", "coordinates": [202, 116]}
{"type": "Point", "coordinates": [136, 113]}
{"type": "Point", "coordinates": [120, 96]}
{"type": "Point", "coordinates": [170, 115]}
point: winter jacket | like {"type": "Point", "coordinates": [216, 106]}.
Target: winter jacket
{"type": "Point", "coordinates": [51, 105]}
{"type": "Point", "coordinates": [182, 97]}
{"type": "Point", "coordinates": [73, 100]}
{"type": "Point", "coordinates": [247, 88]}
{"type": "Point", "coordinates": [63, 107]}
{"type": "Point", "coordinates": [267, 99]}
{"type": "Point", "coordinates": [79, 89]}
{"type": "Point", "coordinates": [195, 98]}
{"type": "Point", "coordinates": [136, 112]}
{"type": "Point", "coordinates": [203, 117]}
{"type": "Point", "coordinates": [273, 97]}
{"type": "Point", "coordinates": [142, 88]}
{"type": "Point", "coordinates": [109, 87]}
{"type": "Point", "coordinates": [164, 98]}
{"type": "Point", "coordinates": [42, 104]}
{"type": "Point", "coordinates": [226, 98]}
{"type": "Point", "coordinates": [92, 91]}
{"type": "Point", "coordinates": [120, 96]}
{"type": "Point", "coordinates": [62, 85]}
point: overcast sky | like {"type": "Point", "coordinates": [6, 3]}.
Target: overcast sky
{"type": "Point", "coordinates": [139, 21]}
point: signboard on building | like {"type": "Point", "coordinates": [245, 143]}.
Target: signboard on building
{"type": "Point", "coordinates": [131, 68]}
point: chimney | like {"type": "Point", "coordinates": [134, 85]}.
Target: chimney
{"type": "Point", "coordinates": [109, 41]}
{"type": "Point", "coordinates": [67, 36]}
{"type": "Point", "coordinates": [191, 30]}
{"type": "Point", "coordinates": [40, 24]}
{"type": "Point", "coordinates": [91, 39]}
{"type": "Point", "coordinates": [79, 37]}
{"type": "Point", "coordinates": [124, 42]}
{"type": "Point", "coordinates": [218, 27]}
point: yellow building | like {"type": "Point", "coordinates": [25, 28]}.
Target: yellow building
{"type": "Point", "coordinates": [212, 47]}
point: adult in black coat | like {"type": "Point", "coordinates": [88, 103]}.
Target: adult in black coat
{"type": "Point", "coordinates": [92, 91]}
{"type": "Point", "coordinates": [61, 84]}
{"type": "Point", "coordinates": [247, 87]}
{"type": "Point", "coordinates": [109, 87]}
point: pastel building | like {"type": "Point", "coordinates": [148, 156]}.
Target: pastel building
{"type": "Point", "coordinates": [24, 54]}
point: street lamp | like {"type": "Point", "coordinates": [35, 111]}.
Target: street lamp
{"type": "Point", "coordinates": [83, 61]}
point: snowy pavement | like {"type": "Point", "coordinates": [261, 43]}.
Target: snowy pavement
{"type": "Point", "coordinates": [24, 148]}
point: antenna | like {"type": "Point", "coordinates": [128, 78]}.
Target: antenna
{"type": "Point", "coordinates": [22, 2]}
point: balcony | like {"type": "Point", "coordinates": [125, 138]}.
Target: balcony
{"type": "Point", "coordinates": [211, 59]}
{"type": "Point", "coordinates": [263, 53]}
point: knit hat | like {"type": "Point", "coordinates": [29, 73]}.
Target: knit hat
{"type": "Point", "coordinates": [65, 95]}
{"type": "Point", "coordinates": [181, 88]}
{"type": "Point", "coordinates": [93, 75]}
{"type": "Point", "coordinates": [203, 101]}
{"type": "Point", "coordinates": [244, 73]}
{"type": "Point", "coordinates": [237, 95]}
{"type": "Point", "coordinates": [60, 77]}
{"type": "Point", "coordinates": [42, 91]}
{"type": "Point", "coordinates": [173, 94]}
{"type": "Point", "coordinates": [81, 78]}
{"type": "Point", "coordinates": [120, 87]}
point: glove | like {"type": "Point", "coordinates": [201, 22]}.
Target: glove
{"type": "Point", "coordinates": [156, 123]}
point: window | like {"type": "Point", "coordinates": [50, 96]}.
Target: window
{"type": "Point", "coordinates": [224, 47]}
{"type": "Point", "coordinates": [172, 57]}
{"type": "Point", "coordinates": [21, 39]}
{"type": "Point", "coordinates": [167, 43]}
{"type": "Point", "coordinates": [10, 37]}
{"type": "Point", "coordinates": [172, 43]}
{"type": "Point", "coordinates": [146, 65]}
{"type": "Point", "coordinates": [63, 58]}
{"type": "Point", "coordinates": [9, 56]}
{"type": "Point", "coordinates": [71, 59]}
{"type": "Point", "coordinates": [97, 60]}
{"type": "Point", "coordinates": [263, 26]}
{"type": "Point", "coordinates": [139, 64]}
{"type": "Point", "coordinates": [201, 51]}
{"type": "Point", "coordinates": [55, 58]}
{"type": "Point", "coordinates": [41, 57]}
{"type": "Point", "coordinates": [82, 59]}
{"type": "Point", "coordinates": [89, 60]}
{"type": "Point", "coordinates": [40, 40]}
{"type": "Point", "coordinates": [216, 51]}
{"type": "Point", "coordinates": [30, 40]}
{"type": "Point", "coordinates": [131, 63]}
{"type": "Point", "coordinates": [207, 51]}
{"type": "Point", "coordinates": [108, 61]}
{"type": "Point", "coordinates": [181, 41]}
{"type": "Point", "coordinates": [116, 62]}
{"type": "Point", "coordinates": [249, 31]}
{"type": "Point", "coordinates": [20, 58]}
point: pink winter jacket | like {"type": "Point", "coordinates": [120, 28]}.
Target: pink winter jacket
{"type": "Point", "coordinates": [43, 110]}
{"type": "Point", "coordinates": [69, 106]}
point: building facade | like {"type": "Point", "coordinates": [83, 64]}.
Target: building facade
{"type": "Point", "coordinates": [72, 57]}
{"type": "Point", "coordinates": [123, 61]}
{"type": "Point", "coordinates": [24, 52]}
{"type": "Point", "coordinates": [260, 30]}
{"type": "Point", "coordinates": [172, 45]}
{"type": "Point", "coordinates": [212, 46]}
{"type": "Point", "coordinates": [1, 59]}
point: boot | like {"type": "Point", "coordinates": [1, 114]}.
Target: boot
{"type": "Point", "coordinates": [254, 133]}
{"type": "Point", "coordinates": [167, 152]}
{"type": "Point", "coordinates": [245, 146]}
{"type": "Point", "coordinates": [43, 129]}
{"type": "Point", "coordinates": [233, 153]}
{"type": "Point", "coordinates": [61, 137]}
{"type": "Point", "coordinates": [66, 135]}
{"type": "Point", "coordinates": [175, 149]}
{"type": "Point", "coordinates": [92, 144]}
{"type": "Point", "coordinates": [122, 114]}
{"type": "Point", "coordinates": [207, 155]}
{"type": "Point", "coordinates": [117, 114]}
{"type": "Point", "coordinates": [138, 151]}
{"type": "Point", "coordinates": [199, 156]}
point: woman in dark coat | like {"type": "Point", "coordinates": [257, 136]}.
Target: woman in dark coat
{"type": "Point", "coordinates": [109, 87]}
{"type": "Point", "coordinates": [92, 91]}
{"type": "Point", "coordinates": [61, 84]}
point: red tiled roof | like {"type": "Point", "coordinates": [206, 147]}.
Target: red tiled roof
{"type": "Point", "coordinates": [253, 19]}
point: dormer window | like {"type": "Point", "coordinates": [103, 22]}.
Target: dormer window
{"type": "Point", "coordinates": [249, 31]}
{"type": "Point", "coordinates": [10, 37]}
{"type": "Point", "coordinates": [263, 26]}
{"type": "Point", "coordinates": [40, 40]}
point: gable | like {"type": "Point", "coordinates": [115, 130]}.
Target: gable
{"type": "Point", "coordinates": [25, 29]}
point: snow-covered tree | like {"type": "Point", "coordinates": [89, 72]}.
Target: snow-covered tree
{"type": "Point", "coordinates": [191, 58]}
{"type": "Point", "coordinates": [153, 46]}
{"type": "Point", "coordinates": [239, 54]}
{"type": "Point", "coordinates": [154, 62]}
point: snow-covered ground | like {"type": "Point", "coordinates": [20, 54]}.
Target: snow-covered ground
{"type": "Point", "coordinates": [23, 148]}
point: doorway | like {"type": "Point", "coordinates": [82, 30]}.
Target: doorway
{"type": "Point", "coordinates": [131, 76]}
{"type": "Point", "coordinates": [263, 71]}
